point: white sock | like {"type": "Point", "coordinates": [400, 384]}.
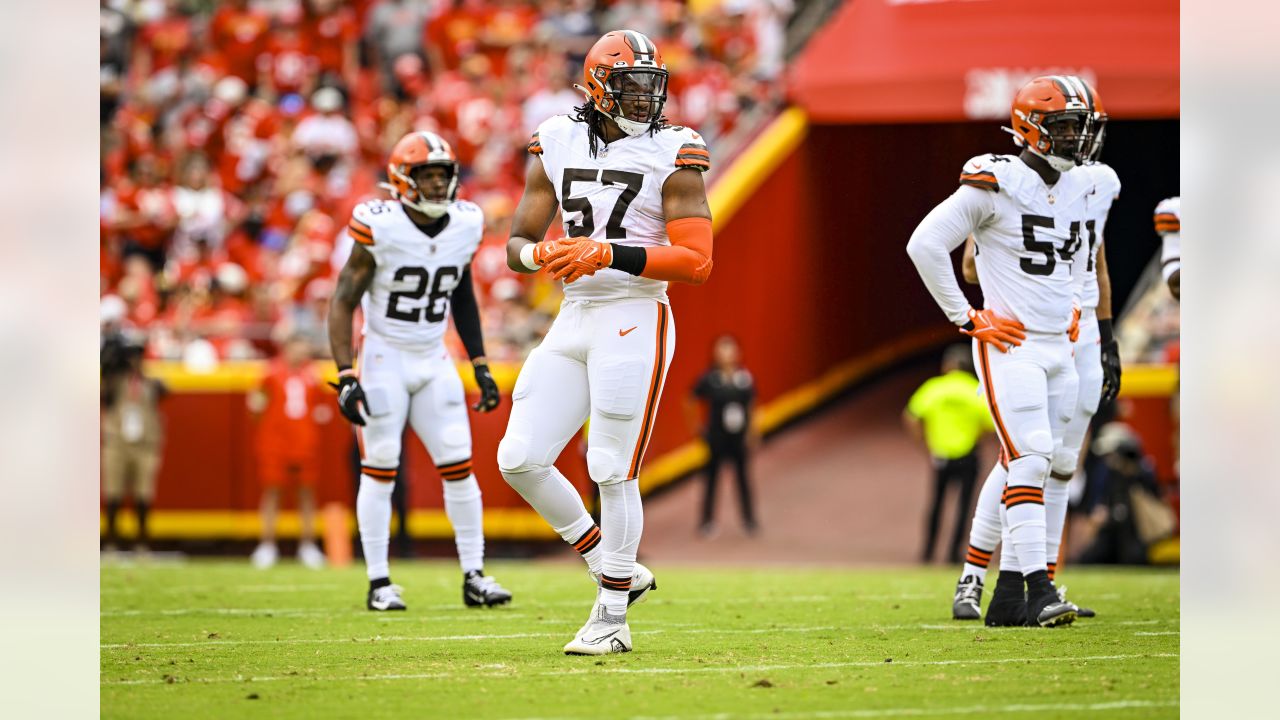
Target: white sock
{"type": "Point", "coordinates": [584, 535]}
{"type": "Point", "coordinates": [556, 500]}
{"type": "Point", "coordinates": [465, 511]}
{"type": "Point", "coordinates": [622, 523]}
{"type": "Point", "coordinates": [1008, 559]}
{"type": "Point", "coordinates": [1024, 512]}
{"type": "Point", "coordinates": [984, 533]}
{"type": "Point", "coordinates": [1056, 497]}
{"type": "Point", "coordinates": [373, 515]}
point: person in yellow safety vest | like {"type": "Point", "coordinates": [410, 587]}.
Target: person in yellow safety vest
{"type": "Point", "coordinates": [948, 415]}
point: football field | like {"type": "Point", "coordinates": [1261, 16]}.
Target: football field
{"type": "Point", "coordinates": [218, 639]}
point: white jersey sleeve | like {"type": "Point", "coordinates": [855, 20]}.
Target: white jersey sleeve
{"type": "Point", "coordinates": [940, 233]}
{"type": "Point", "coordinates": [1106, 189]}
{"type": "Point", "coordinates": [1168, 222]}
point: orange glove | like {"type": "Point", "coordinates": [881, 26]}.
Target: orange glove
{"type": "Point", "coordinates": [991, 328]}
{"type": "Point", "coordinates": [547, 250]}
{"type": "Point", "coordinates": [1073, 332]}
{"type": "Point", "coordinates": [582, 259]}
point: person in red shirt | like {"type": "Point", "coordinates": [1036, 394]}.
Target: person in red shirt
{"type": "Point", "coordinates": [239, 33]}
{"type": "Point", "coordinates": [289, 405]}
{"type": "Point", "coordinates": [331, 32]}
{"type": "Point", "coordinates": [146, 216]}
{"type": "Point", "coordinates": [288, 64]}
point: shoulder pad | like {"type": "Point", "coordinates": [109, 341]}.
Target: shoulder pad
{"type": "Point", "coordinates": [362, 220]}
{"type": "Point", "coordinates": [691, 148]}
{"type": "Point", "coordinates": [984, 171]}
{"type": "Point", "coordinates": [1105, 180]}
{"type": "Point", "coordinates": [1168, 216]}
{"type": "Point", "coordinates": [547, 129]}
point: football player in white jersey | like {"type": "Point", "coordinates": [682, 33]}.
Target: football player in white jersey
{"type": "Point", "coordinates": [410, 266]}
{"type": "Point", "coordinates": [1026, 214]}
{"type": "Point", "coordinates": [1169, 228]}
{"type": "Point", "coordinates": [636, 217]}
{"type": "Point", "coordinates": [1097, 363]}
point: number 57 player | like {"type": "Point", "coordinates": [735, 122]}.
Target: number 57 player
{"type": "Point", "coordinates": [636, 216]}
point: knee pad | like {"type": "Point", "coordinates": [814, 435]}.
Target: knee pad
{"type": "Point", "coordinates": [1028, 471]}
{"type": "Point", "coordinates": [382, 452]}
{"type": "Point", "coordinates": [513, 453]}
{"type": "Point", "coordinates": [604, 467]}
{"type": "Point", "coordinates": [1037, 442]}
{"type": "Point", "coordinates": [1064, 460]}
{"type": "Point", "coordinates": [456, 438]}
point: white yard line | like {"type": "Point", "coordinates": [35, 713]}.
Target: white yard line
{"type": "Point", "coordinates": [911, 711]}
{"type": "Point", "coordinates": [513, 673]}
{"type": "Point", "coordinates": [1152, 634]}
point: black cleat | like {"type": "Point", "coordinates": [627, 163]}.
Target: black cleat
{"type": "Point", "coordinates": [967, 604]}
{"type": "Point", "coordinates": [1046, 609]}
{"type": "Point", "coordinates": [1081, 612]}
{"type": "Point", "coordinates": [385, 597]}
{"type": "Point", "coordinates": [1008, 606]}
{"type": "Point", "coordinates": [480, 590]}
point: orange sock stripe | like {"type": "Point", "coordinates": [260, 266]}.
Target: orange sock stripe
{"type": "Point", "coordinates": [610, 583]}
{"type": "Point", "coordinates": [981, 562]}
{"type": "Point", "coordinates": [455, 471]}
{"type": "Point", "coordinates": [655, 391]}
{"type": "Point", "coordinates": [589, 540]}
{"type": "Point", "coordinates": [1011, 453]}
{"type": "Point", "coordinates": [378, 473]}
{"type": "Point", "coordinates": [979, 552]}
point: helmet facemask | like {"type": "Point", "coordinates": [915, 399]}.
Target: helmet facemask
{"type": "Point", "coordinates": [1099, 132]}
{"type": "Point", "coordinates": [634, 98]}
{"type": "Point", "coordinates": [415, 192]}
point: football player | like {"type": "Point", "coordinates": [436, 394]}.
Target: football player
{"type": "Point", "coordinates": [636, 217]}
{"type": "Point", "coordinates": [410, 266]}
{"type": "Point", "coordinates": [1097, 362]}
{"type": "Point", "coordinates": [1169, 228]}
{"type": "Point", "coordinates": [1026, 214]}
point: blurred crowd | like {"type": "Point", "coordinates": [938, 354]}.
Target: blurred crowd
{"type": "Point", "coordinates": [238, 135]}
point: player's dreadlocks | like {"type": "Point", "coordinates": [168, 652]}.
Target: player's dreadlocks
{"type": "Point", "coordinates": [587, 113]}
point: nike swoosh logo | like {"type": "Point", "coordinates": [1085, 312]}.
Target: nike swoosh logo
{"type": "Point", "coordinates": [623, 333]}
{"type": "Point", "coordinates": [600, 639]}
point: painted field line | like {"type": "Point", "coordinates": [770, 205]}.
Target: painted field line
{"type": "Point", "coordinates": [912, 712]}
{"type": "Point", "coordinates": [1166, 632]}
{"type": "Point", "coordinates": [449, 638]}
{"type": "Point", "coordinates": [516, 674]}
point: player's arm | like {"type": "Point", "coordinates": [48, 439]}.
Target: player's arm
{"type": "Point", "coordinates": [1110, 348]}
{"type": "Point", "coordinates": [353, 282]}
{"type": "Point", "coordinates": [969, 265]}
{"type": "Point", "coordinates": [1171, 263]}
{"type": "Point", "coordinates": [466, 319]}
{"type": "Point", "coordinates": [930, 248]}
{"type": "Point", "coordinates": [533, 216]}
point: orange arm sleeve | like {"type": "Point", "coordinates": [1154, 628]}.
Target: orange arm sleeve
{"type": "Point", "coordinates": [688, 259]}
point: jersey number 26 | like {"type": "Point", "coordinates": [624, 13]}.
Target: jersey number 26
{"type": "Point", "coordinates": [437, 300]}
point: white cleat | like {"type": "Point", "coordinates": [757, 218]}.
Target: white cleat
{"type": "Point", "coordinates": [264, 556]}
{"type": "Point", "coordinates": [602, 635]}
{"type": "Point", "coordinates": [311, 556]}
{"type": "Point", "coordinates": [385, 598]}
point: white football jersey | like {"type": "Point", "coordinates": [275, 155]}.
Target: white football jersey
{"type": "Point", "coordinates": [1106, 188]}
{"type": "Point", "coordinates": [1029, 241]}
{"type": "Point", "coordinates": [615, 196]}
{"type": "Point", "coordinates": [407, 303]}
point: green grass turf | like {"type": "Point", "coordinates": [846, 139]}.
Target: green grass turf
{"type": "Point", "coordinates": [221, 640]}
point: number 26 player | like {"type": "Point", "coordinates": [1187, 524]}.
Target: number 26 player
{"type": "Point", "coordinates": [410, 267]}
{"type": "Point", "coordinates": [636, 216]}
{"type": "Point", "coordinates": [1026, 214]}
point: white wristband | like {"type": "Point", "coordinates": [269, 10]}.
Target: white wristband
{"type": "Point", "coordinates": [526, 257]}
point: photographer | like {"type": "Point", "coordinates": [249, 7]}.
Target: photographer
{"type": "Point", "coordinates": [132, 432]}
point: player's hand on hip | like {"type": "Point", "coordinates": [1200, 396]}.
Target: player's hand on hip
{"type": "Point", "coordinates": [583, 259]}
{"type": "Point", "coordinates": [1110, 371]}
{"type": "Point", "coordinates": [489, 396]}
{"type": "Point", "coordinates": [548, 250]}
{"type": "Point", "coordinates": [350, 397]}
{"type": "Point", "coordinates": [1073, 330]}
{"type": "Point", "coordinates": [1002, 333]}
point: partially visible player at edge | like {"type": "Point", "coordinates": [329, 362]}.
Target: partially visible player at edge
{"type": "Point", "coordinates": [1169, 227]}
{"type": "Point", "coordinates": [636, 216]}
{"type": "Point", "coordinates": [1097, 361]}
{"type": "Point", "coordinates": [1026, 214]}
{"type": "Point", "coordinates": [410, 266]}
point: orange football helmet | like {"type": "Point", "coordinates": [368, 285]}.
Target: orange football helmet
{"type": "Point", "coordinates": [1054, 116]}
{"type": "Point", "coordinates": [626, 79]}
{"type": "Point", "coordinates": [415, 150]}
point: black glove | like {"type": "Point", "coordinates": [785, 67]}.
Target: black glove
{"type": "Point", "coordinates": [1110, 363]}
{"type": "Point", "coordinates": [350, 398]}
{"type": "Point", "coordinates": [489, 397]}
